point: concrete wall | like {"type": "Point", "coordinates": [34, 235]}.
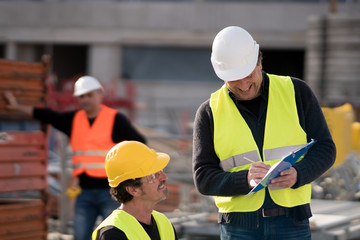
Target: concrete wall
{"type": "Point", "coordinates": [113, 24]}
{"type": "Point", "coordinates": [333, 58]}
{"type": "Point", "coordinates": [107, 26]}
{"type": "Point", "coordinates": [174, 23]}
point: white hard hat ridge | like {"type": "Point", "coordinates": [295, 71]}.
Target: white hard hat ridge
{"type": "Point", "coordinates": [234, 53]}
{"type": "Point", "coordinates": [85, 85]}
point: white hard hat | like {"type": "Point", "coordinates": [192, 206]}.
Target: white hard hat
{"type": "Point", "coordinates": [234, 54]}
{"type": "Point", "coordinates": [86, 84]}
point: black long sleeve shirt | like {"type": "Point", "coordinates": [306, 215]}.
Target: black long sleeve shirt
{"type": "Point", "coordinates": [122, 130]}
{"type": "Point", "coordinates": [209, 177]}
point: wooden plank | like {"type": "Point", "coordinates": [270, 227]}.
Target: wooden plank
{"type": "Point", "coordinates": [22, 227]}
{"type": "Point", "coordinates": [22, 78]}
{"type": "Point", "coordinates": [24, 94]}
{"type": "Point", "coordinates": [22, 184]}
{"type": "Point", "coordinates": [26, 80]}
{"type": "Point", "coordinates": [8, 139]}
{"type": "Point", "coordinates": [15, 211]}
{"type": "Point", "coordinates": [21, 169]}
{"type": "Point", "coordinates": [25, 67]}
{"type": "Point", "coordinates": [22, 219]}
{"type": "Point", "coordinates": [16, 74]}
{"type": "Point", "coordinates": [14, 203]}
{"type": "Point", "coordinates": [36, 235]}
{"type": "Point", "coordinates": [21, 85]}
{"type": "Point", "coordinates": [22, 154]}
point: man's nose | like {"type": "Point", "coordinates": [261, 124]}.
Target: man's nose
{"type": "Point", "coordinates": [163, 176]}
{"type": "Point", "coordinates": [243, 83]}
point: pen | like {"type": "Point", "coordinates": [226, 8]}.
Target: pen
{"type": "Point", "coordinates": [248, 159]}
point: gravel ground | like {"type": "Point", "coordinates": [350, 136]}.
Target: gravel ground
{"type": "Point", "coordinates": [54, 231]}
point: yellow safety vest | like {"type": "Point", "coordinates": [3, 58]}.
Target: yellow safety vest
{"type": "Point", "coordinates": [133, 229]}
{"type": "Point", "coordinates": [233, 141]}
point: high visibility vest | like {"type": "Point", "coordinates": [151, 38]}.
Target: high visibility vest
{"type": "Point", "coordinates": [233, 140]}
{"type": "Point", "coordinates": [90, 144]}
{"type": "Point", "coordinates": [133, 229]}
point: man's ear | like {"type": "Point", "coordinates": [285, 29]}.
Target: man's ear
{"type": "Point", "coordinates": [134, 191]}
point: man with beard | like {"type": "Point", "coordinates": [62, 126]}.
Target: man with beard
{"type": "Point", "coordinates": [92, 130]}
{"type": "Point", "coordinates": [135, 174]}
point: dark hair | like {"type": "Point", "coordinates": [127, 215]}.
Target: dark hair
{"type": "Point", "coordinates": [260, 57]}
{"type": "Point", "coordinates": [120, 194]}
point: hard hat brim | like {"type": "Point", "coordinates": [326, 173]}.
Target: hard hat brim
{"type": "Point", "coordinates": [160, 163]}
{"type": "Point", "coordinates": [85, 91]}
{"type": "Point", "coordinates": [237, 73]}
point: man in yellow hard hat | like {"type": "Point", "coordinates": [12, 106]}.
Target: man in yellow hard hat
{"type": "Point", "coordinates": [137, 181]}
{"type": "Point", "coordinates": [92, 130]}
{"type": "Point", "coordinates": [261, 117]}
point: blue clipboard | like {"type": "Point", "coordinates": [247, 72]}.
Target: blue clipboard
{"type": "Point", "coordinates": [285, 163]}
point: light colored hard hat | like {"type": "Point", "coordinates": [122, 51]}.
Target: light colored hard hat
{"type": "Point", "coordinates": [234, 53]}
{"type": "Point", "coordinates": [85, 85]}
{"type": "Point", "coordinates": [132, 159]}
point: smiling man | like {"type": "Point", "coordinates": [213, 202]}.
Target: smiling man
{"type": "Point", "coordinates": [135, 174]}
{"type": "Point", "coordinates": [92, 130]}
{"type": "Point", "coordinates": [261, 117]}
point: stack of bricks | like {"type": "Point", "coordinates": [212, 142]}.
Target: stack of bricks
{"type": "Point", "coordinates": [23, 154]}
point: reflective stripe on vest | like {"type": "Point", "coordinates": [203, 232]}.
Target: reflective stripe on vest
{"type": "Point", "coordinates": [90, 153]}
{"type": "Point", "coordinates": [233, 140]}
{"type": "Point", "coordinates": [270, 154]}
{"type": "Point", "coordinates": [91, 143]}
{"type": "Point", "coordinates": [133, 229]}
{"type": "Point", "coordinates": [89, 165]}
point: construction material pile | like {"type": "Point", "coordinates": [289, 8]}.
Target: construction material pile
{"type": "Point", "coordinates": [341, 182]}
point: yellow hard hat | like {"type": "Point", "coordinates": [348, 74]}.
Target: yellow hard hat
{"type": "Point", "coordinates": [132, 159]}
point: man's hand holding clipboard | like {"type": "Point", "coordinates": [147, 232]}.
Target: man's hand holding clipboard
{"type": "Point", "coordinates": [285, 163]}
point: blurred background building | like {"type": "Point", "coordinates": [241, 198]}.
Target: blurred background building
{"type": "Point", "coordinates": [163, 47]}
{"type": "Point", "coordinates": [153, 58]}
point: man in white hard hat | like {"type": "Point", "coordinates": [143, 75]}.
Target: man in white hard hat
{"type": "Point", "coordinates": [93, 130]}
{"type": "Point", "coordinates": [137, 181]}
{"type": "Point", "coordinates": [261, 117]}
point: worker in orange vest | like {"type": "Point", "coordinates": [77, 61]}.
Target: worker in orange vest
{"type": "Point", "coordinates": [93, 130]}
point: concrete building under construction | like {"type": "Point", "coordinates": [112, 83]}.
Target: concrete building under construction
{"type": "Point", "coordinates": [157, 54]}
{"type": "Point", "coordinates": [164, 47]}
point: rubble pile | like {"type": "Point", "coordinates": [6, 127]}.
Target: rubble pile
{"type": "Point", "coordinates": [341, 182]}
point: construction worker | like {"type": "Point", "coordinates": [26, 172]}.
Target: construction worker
{"type": "Point", "coordinates": [135, 174]}
{"type": "Point", "coordinates": [93, 130]}
{"type": "Point", "coordinates": [261, 117]}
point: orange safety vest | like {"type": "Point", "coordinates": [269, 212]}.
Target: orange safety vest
{"type": "Point", "coordinates": [90, 144]}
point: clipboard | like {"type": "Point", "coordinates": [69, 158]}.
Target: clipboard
{"type": "Point", "coordinates": [285, 163]}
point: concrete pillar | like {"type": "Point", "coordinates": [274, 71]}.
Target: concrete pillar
{"type": "Point", "coordinates": [27, 53]}
{"type": "Point", "coordinates": [10, 51]}
{"type": "Point", "coordinates": [104, 61]}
